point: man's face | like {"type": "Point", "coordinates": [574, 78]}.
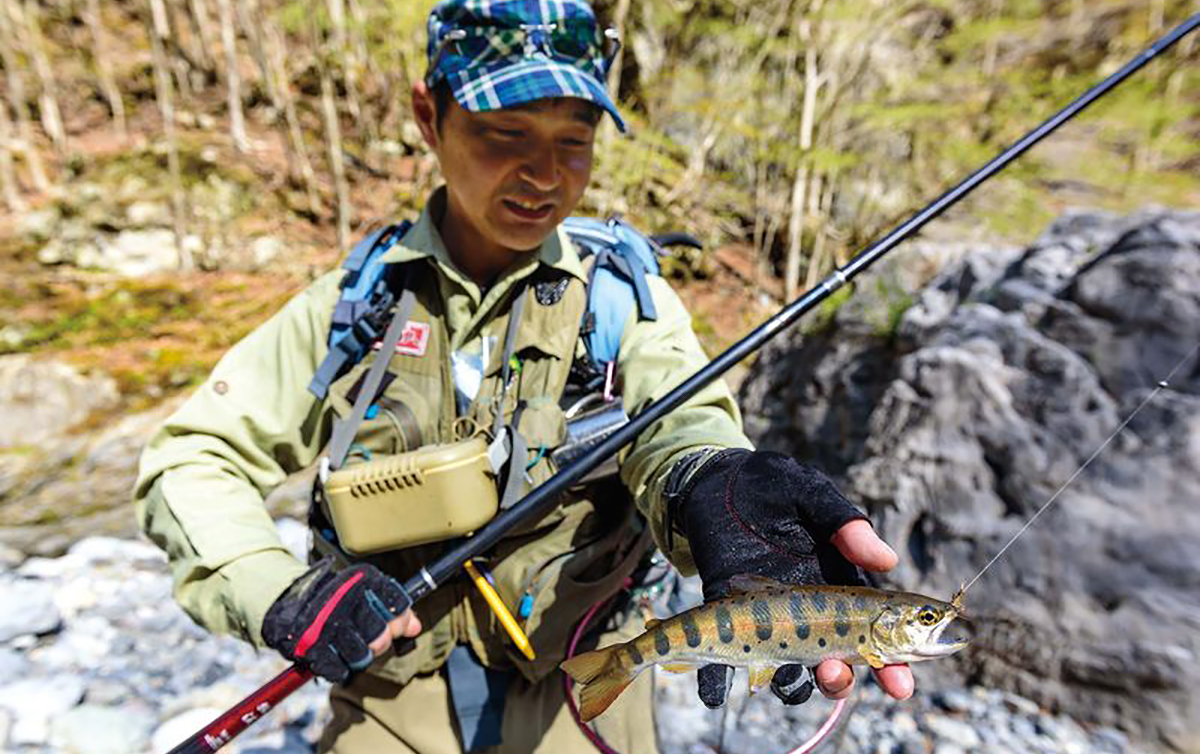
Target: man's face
{"type": "Point", "coordinates": [512, 175]}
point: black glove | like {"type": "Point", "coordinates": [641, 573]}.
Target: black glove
{"type": "Point", "coordinates": [763, 514]}
{"type": "Point", "coordinates": [326, 618]}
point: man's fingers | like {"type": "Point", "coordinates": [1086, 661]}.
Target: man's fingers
{"type": "Point", "coordinates": [406, 626]}
{"type": "Point", "coordinates": [835, 679]}
{"type": "Point", "coordinates": [896, 680]}
{"type": "Point", "coordinates": [858, 543]}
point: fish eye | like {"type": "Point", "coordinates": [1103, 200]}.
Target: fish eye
{"type": "Point", "coordinates": [927, 616]}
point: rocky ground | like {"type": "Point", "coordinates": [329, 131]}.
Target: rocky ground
{"type": "Point", "coordinates": [95, 658]}
{"type": "Point", "coordinates": [953, 421]}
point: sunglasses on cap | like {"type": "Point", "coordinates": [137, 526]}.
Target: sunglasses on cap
{"type": "Point", "coordinates": [576, 42]}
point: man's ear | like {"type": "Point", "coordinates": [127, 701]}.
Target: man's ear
{"type": "Point", "coordinates": [425, 111]}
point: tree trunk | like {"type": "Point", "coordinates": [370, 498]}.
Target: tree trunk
{"type": "Point", "coordinates": [198, 10]}
{"type": "Point", "coordinates": [800, 185]}
{"type": "Point", "coordinates": [108, 83]}
{"type": "Point", "coordinates": [233, 79]}
{"type": "Point", "coordinates": [250, 17]}
{"type": "Point", "coordinates": [178, 56]}
{"type": "Point", "coordinates": [48, 98]}
{"type": "Point", "coordinates": [298, 161]}
{"type": "Point", "coordinates": [349, 63]}
{"type": "Point", "coordinates": [620, 16]}
{"type": "Point", "coordinates": [333, 136]}
{"type": "Point", "coordinates": [8, 177]}
{"type": "Point", "coordinates": [159, 32]}
{"type": "Point", "coordinates": [16, 98]}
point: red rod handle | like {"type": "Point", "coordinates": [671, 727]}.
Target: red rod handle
{"type": "Point", "coordinates": [245, 713]}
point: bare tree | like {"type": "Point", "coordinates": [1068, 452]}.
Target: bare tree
{"type": "Point", "coordinates": [8, 177]}
{"type": "Point", "coordinates": [812, 84]}
{"type": "Point", "coordinates": [249, 15]}
{"type": "Point", "coordinates": [233, 78]}
{"type": "Point", "coordinates": [298, 160]}
{"type": "Point", "coordinates": [333, 138]}
{"type": "Point", "coordinates": [48, 96]}
{"type": "Point", "coordinates": [347, 55]}
{"type": "Point", "coordinates": [198, 10]}
{"type": "Point", "coordinates": [26, 141]}
{"type": "Point", "coordinates": [108, 83]}
{"type": "Point", "coordinates": [159, 32]}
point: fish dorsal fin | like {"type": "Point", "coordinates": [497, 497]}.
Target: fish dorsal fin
{"type": "Point", "coordinates": [747, 582]}
{"type": "Point", "coordinates": [652, 622]}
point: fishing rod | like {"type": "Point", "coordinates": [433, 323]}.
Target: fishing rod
{"type": "Point", "coordinates": [542, 499]}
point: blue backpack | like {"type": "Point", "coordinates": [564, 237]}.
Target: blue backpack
{"type": "Point", "coordinates": [624, 258]}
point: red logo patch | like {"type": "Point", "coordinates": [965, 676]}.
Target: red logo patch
{"type": "Point", "coordinates": [414, 341]}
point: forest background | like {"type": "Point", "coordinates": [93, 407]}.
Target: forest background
{"type": "Point", "coordinates": [257, 139]}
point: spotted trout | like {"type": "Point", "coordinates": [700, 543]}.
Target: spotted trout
{"type": "Point", "coordinates": [764, 624]}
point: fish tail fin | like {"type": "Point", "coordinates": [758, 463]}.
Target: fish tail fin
{"type": "Point", "coordinates": [602, 678]}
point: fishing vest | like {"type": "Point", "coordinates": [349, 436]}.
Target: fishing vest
{"type": "Point", "coordinates": [548, 572]}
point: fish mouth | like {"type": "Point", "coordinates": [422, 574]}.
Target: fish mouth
{"type": "Point", "coordinates": [945, 642]}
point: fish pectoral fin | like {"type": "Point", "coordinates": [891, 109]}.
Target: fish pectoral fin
{"type": "Point", "coordinates": [873, 659]}
{"type": "Point", "coordinates": [745, 583]}
{"type": "Point", "coordinates": [679, 667]}
{"type": "Point", "coordinates": [760, 675]}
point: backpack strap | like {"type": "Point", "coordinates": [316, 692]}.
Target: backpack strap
{"type": "Point", "coordinates": [361, 313]}
{"type": "Point", "coordinates": [622, 258]}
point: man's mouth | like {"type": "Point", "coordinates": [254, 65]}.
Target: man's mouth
{"type": "Point", "coordinates": [529, 210]}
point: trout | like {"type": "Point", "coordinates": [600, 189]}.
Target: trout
{"type": "Point", "coordinates": [764, 624]}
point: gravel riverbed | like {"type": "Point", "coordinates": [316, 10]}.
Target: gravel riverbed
{"type": "Point", "coordinates": [96, 658]}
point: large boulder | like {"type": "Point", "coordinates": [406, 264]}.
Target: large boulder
{"type": "Point", "coordinates": [41, 399]}
{"type": "Point", "coordinates": [1009, 372]}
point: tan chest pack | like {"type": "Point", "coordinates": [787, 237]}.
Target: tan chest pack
{"type": "Point", "coordinates": [440, 491]}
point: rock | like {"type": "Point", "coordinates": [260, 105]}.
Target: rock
{"type": "Point", "coordinates": [38, 225]}
{"type": "Point", "coordinates": [96, 550]}
{"type": "Point", "coordinates": [1001, 380]}
{"type": "Point", "coordinates": [34, 702]}
{"type": "Point", "coordinates": [91, 729]}
{"type": "Point", "coordinates": [141, 214]}
{"type": "Point", "coordinates": [952, 731]}
{"type": "Point", "coordinates": [28, 608]}
{"type": "Point", "coordinates": [136, 253]}
{"type": "Point", "coordinates": [12, 664]}
{"type": "Point", "coordinates": [175, 730]}
{"type": "Point", "coordinates": [40, 399]}
{"type": "Point", "coordinates": [954, 700]}
{"type": "Point", "coordinates": [264, 250]}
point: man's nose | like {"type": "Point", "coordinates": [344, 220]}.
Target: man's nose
{"type": "Point", "coordinates": [540, 169]}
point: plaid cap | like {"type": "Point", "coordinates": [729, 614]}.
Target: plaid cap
{"type": "Point", "coordinates": [502, 53]}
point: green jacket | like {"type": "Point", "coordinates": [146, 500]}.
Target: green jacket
{"type": "Point", "coordinates": [204, 474]}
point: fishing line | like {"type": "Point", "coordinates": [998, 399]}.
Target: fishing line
{"type": "Point", "coordinates": [1162, 385]}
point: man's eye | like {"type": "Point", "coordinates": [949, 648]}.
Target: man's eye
{"type": "Point", "coordinates": [509, 133]}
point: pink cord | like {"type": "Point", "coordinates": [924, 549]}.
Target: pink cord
{"type": "Point", "coordinates": [825, 729]}
{"type": "Point", "coordinates": [568, 684]}
{"type": "Point", "coordinates": [812, 743]}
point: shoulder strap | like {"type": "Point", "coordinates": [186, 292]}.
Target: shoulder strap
{"type": "Point", "coordinates": [362, 309]}
{"type": "Point", "coordinates": [345, 429]}
{"type": "Point", "coordinates": [622, 258]}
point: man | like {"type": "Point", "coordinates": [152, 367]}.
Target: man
{"type": "Point", "coordinates": [510, 106]}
